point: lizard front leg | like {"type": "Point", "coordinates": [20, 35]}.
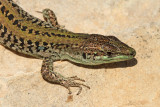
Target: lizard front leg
{"type": "Point", "coordinates": [50, 17]}
{"type": "Point", "coordinates": [53, 77]}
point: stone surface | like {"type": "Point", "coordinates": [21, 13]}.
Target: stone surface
{"type": "Point", "coordinates": [134, 83]}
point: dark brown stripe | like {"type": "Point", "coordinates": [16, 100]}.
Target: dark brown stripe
{"type": "Point", "coordinates": [3, 9]}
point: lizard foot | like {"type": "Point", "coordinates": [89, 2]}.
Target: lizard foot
{"type": "Point", "coordinates": [70, 82]}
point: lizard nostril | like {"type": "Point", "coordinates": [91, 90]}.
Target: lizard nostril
{"type": "Point", "coordinates": [133, 52]}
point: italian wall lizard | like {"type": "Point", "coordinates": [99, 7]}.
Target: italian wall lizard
{"type": "Point", "coordinates": [47, 40]}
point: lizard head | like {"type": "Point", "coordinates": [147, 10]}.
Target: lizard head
{"type": "Point", "coordinates": [99, 49]}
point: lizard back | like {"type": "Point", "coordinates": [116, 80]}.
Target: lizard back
{"type": "Point", "coordinates": [25, 33]}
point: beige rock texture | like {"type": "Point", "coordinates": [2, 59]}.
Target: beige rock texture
{"type": "Point", "coordinates": [134, 83]}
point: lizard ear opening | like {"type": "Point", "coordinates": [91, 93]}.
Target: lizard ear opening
{"type": "Point", "coordinates": [109, 54]}
{"type": "Point", "coordinates": [84, 55]}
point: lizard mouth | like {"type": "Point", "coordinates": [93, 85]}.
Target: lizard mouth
{"type": "Point", "coordinates": [129, 53]}
{"type": "Point", "coordinates": [114, 57]}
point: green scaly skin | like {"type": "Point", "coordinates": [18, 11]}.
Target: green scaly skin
{"type": "Point", "coordinates": [48, 41]}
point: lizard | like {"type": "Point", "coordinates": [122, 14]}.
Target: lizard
{"type": "Point", "coordinates": [47, 40]}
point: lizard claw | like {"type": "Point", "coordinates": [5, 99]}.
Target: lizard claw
{"type": "Point", "coordinates": [70, 82]}
{"type": "Point", "coordinates": [76, 78]}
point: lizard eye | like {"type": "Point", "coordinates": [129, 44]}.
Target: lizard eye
{"type": "Point", "coordinates": [109, 53]}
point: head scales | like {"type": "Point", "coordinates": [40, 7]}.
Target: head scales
{"type": "Point", "coordinates": [99, 49]}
